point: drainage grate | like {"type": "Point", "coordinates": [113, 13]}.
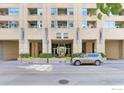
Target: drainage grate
{"type": "Point", "coordinates": [63, 81]}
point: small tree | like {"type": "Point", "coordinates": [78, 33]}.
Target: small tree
{"type": "Point", "coordinates": [106, 8]}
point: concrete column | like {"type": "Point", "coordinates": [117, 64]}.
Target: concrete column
{"type": "Point", "coordinates": [77, 46]}
{"type": "Point", "coordinates": [100, 46]}
{"type": "Point", "coordinates": [45, 46]}
{"type": "Point", "coordinates": [50, 47]}
{"type": "Point", "coordinates": [23, 46]}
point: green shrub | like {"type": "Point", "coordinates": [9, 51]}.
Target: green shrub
{"type": "Point", "coordinates": [103, 55]}
{"type": "Point", "coordinates": [45, 55]}
{"type": "Point", "coordinates": [77, 54]}
{"type": "Point", "coordinates": [25, 55]}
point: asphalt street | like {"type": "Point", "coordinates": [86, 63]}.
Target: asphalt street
{"type": "Point", "coordinates": [111, 72]}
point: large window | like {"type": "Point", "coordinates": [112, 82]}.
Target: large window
{"type": "Point", "coordinates": [84, 11]}
{"type": "Point", "coordinates": [109, 24]}
{"type": "Point", "coordinates": [13, 11]}
{"type": "Point", "coordinates": [70, 11]}
{"type": "Point", "coordinates": [53, 11]}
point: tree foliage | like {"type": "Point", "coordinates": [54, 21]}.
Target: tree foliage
{"type": "Point", "coordinates": [106, 9]}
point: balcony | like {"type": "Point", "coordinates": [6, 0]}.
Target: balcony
{"type": "Point", "coordinates": [91, 24]}
{"type": "Point", "coordinates": [4, 11]}
{"type": "Point", "coordinates": [9, 24]}
{"type": "Point", "coordinates": [122, 12]}
{"type": "Point", "coordinates": [93, 10]}
{"type": "Point", "coordinates": [35, 11]}
{"type": "Point", "coordinates": [34, 24]}
{"type": "Point", "coordinates": [119, 24]}
{"type": "Point", "coordinates": [62, 24]}
{"type": "Point", "coordinates": [88, 24]}
{"type": "Point", "coordinates": [62, 11]}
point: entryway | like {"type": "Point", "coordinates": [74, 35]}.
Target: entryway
{"type": "Point", "coordinates": [61, 48]}
{"type": "Point", "coordinates": [35, 48]}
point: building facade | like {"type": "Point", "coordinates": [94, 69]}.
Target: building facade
{"type": "Point", "coordinates": [60, 29]}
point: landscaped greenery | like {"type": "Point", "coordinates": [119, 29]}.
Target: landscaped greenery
{"type": "Point", "coordinates": [45, 55]}
{"type": "Point", "coordinates": [77, 54]}
{"type": "Point", "coordinates": [103, 55]}
{"type": "Point", "coordinates": [106, 8]}
{"type": "Point", "coordinates": [25, 55]}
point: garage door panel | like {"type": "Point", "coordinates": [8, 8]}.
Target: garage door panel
{"type": "Point", "coordinates": [112, 49]}
{"type": "Point", "coordinates": [10, 50]}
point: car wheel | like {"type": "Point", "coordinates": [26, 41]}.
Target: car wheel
{"type": "Point", "coordinates": [77, 63]}
{"type": "Point", "coordinates": [97, 63]}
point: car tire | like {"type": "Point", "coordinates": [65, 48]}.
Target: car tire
{"type": "Point", "coordinates": [77, 63]}
{"type": "Point", "coordinates": [97, 63]}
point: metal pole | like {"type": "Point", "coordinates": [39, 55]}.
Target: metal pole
{"type": "Point", "coordinates": [47, 42]}
{"type": "Point", "coordinates": [47, 51]}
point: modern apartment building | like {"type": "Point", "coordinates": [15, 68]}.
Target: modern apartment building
{"type": "Point", "coordinates": [60, 29]}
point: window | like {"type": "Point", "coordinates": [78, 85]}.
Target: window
{"type": "Point", "coordinates": [39, 11]}
{"type": "Point", "coordinates": [53, 11]}
{"type": "Point", "coordinates": [62, 35]}
{"type": "Point", "coordinates": [53, 24]}
{"type": "Point", "coordinates": [39, 24]}
{"type": "Point", "coordinates": [84, 12]}
{"type": "Point", "coordinates": [70, 11]}
{"type": "Point", "coordinates": [58, 35]}
{"type": "Point", "coordinates": [70, 24]}
{"type": "Point", "coordinates": [109, 24]}
{"type": "Point", "coordinates": [65, 35]}
{"type": "Point", "coordinates": [13, 24]}
{"type": "Point", "coordinates": [13, 11]}
{"type": "Point", "coordinates": [84, 24]}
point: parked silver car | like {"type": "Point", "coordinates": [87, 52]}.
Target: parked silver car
{"type": "Point", "coordinates": [94, 58]}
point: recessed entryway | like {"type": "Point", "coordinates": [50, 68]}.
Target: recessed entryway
{"type": "Point", "coordinates": [88, 46]}
{"type": "Point", "coordinates": [35, 48]}
{"type": "Point", "coordinates": [61, 48]}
